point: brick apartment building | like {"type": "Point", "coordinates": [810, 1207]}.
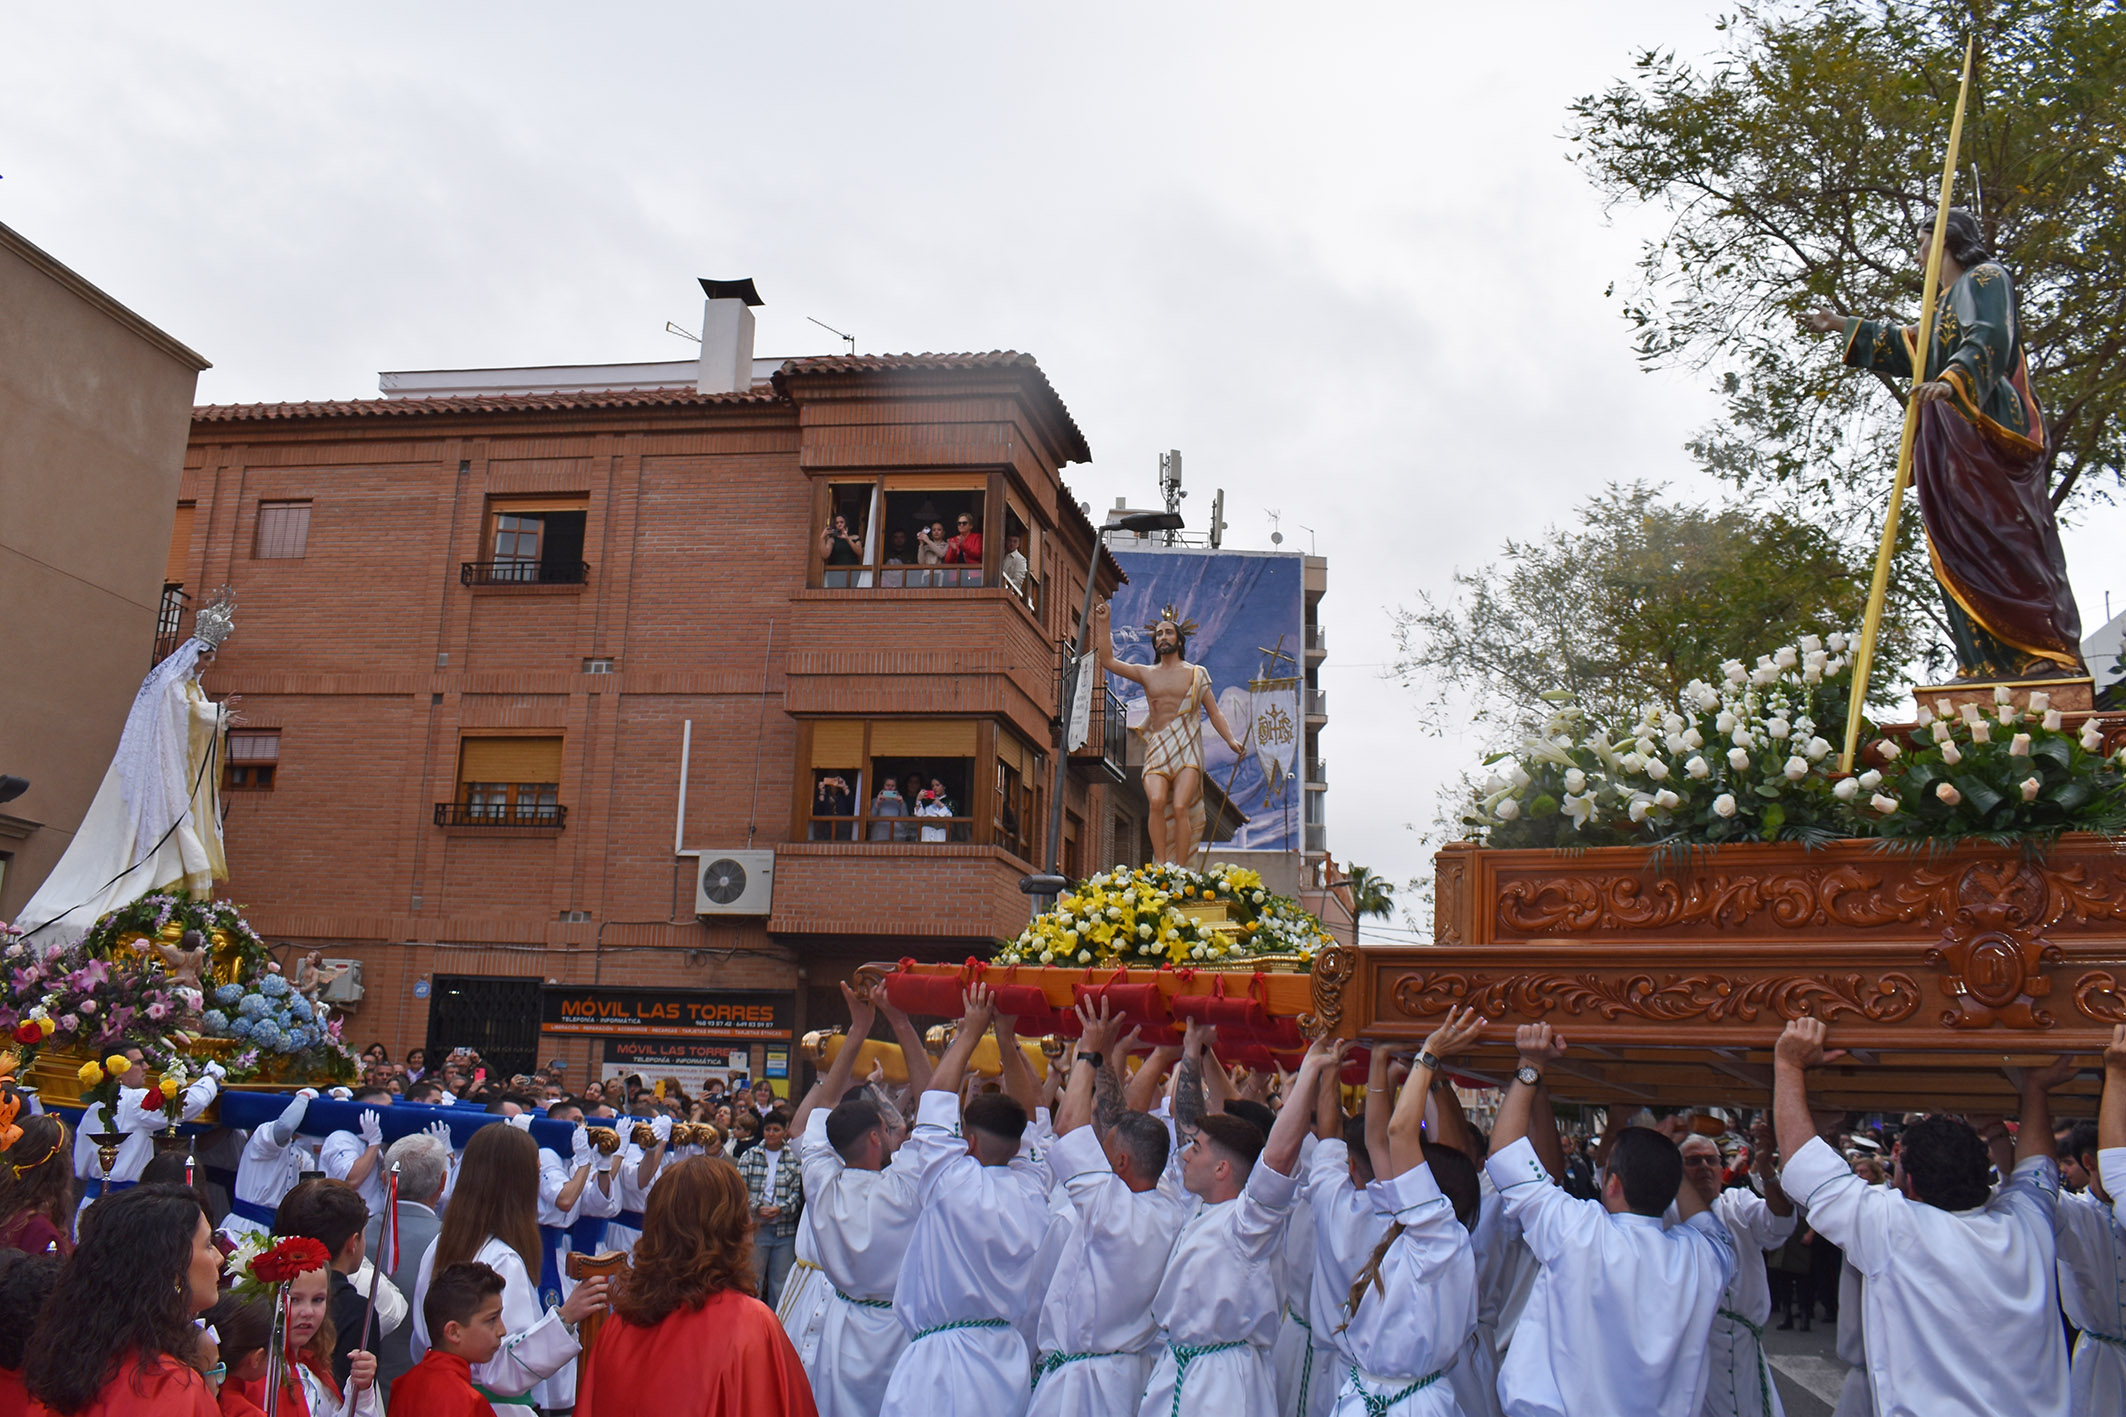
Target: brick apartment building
{"type": "Point", "coordinates": [483, 621]}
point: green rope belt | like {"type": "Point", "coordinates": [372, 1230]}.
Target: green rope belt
{"type": "Point", "coordinates": [1185, 1354]}
{"type": "Point", "coordinates": [1306, 1364]}
{"type": "Point", "coordinates": [1377, 1406]}
{"type": "Point", "coordinates": [1764, 1382]}
{"type": "Point", "coordinates": [1052, 1361]}
{"type": "Point", "coordinates": [861, 1303]}
{"type": "Point", "coordinates": [923, 1333]}
{"type": "Point", "coordinates": [2110, 1338]}
{"type": "Point", "coordinates": [523, 1400]}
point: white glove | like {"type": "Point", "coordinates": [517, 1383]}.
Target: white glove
{"type": "Point", "coordinates": [215, 1070]}
{"type": "Point", "coordinates": [372, 1128]}
{"type": "Point", "coordinates": [662, 1126]}
{"type": "Point", "coordinates": [522, 1121]}
{"type": "Point", "coordinates": [341, 1094]}
{"type": "Point", "coordinates": [440, 1131]}
{"type": "Point", "coordinates": [581, 1154]}
{"type": "Point", "coordinates": [308, 1094]}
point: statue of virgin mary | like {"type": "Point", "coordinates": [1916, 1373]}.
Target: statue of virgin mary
{"type": "Point", "coordinates": [155, 823]}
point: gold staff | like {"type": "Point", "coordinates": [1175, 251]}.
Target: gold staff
{"type": "Point", "coordinates": [1864, 659]}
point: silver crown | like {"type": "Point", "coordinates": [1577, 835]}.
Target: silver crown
{"type": "Point", "coordinates": [216, 620]}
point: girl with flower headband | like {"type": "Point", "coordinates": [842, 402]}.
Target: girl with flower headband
{"type": "Point", "coordinates": [36, 1189]}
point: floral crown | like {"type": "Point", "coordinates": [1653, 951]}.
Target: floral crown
{"type": "Point", "coordinates": [258, 1268]}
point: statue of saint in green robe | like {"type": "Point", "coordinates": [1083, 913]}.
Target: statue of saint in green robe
{"type": "Point", "coordinates": [1978, 465]}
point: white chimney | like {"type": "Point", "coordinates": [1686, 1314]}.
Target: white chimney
{"type": "Point", "coordinates": [727, 336]}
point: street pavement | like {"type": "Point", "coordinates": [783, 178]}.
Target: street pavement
{"type": "Point", "coordinates": [1806, 1369]}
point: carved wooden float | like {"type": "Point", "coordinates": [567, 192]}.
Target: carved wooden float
{"type": "Point", "coordinates": [1671, 985]}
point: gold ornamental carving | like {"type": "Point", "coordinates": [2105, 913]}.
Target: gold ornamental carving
{"type": "Point", "coordinates": [1663, 998]}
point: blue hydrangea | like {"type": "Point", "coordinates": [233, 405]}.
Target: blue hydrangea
{"type": "Point", "coordinates": [215, 1020]}
{"type": "Point", "coordinates": [241, 1026]}
{"type": "Point", "coordinates": [302, 1036]}
{"type": "Point", "coordinates": [273, 986]}
{"type": "Point", "coordinates": [270, 1038]}
{"type": "Point", "coordinates": [300, 1007]}
{"type": "Point", "coordinates": [228, 994]}
{"type": "Point", "coordinates": [253, 1006]}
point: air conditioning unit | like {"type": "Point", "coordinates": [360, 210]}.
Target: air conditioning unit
{"type": "Point", "coordinates": [734, 882]}
{"type": "Point", "coordinates": [347, 989]}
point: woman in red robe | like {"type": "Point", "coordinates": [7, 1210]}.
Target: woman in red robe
{"type": "Point", "coordinates": [146, 1266]}
{"type": "Point", "coordinates": [687, 1337]}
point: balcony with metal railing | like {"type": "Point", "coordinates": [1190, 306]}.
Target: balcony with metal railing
{"type": "Point", "coordinates": [169, 622]}
{"type": "Point", "coordinates": [1317, 837]}
{"type": "Point", "coordinates": [502, 816]}
{"type": "Point", "coordinates": [1317, 703]}
{"type": "Point", "coordinates": [1317, 773]}
{"type": "Point", "coordinates": [524, 572]}
{"type": "Point", "coordinates": [1317, 640]}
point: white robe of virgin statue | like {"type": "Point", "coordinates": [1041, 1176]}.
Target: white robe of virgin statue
{"type": "Point", "coordinates": [968, 1277]}
{"type": "Point", "coordinates": [1619, 1316]}
{"type": "Point", "coordinates": [861, 1224]}
{"type": "Point", "coordinates": [1220, 1294]}
{"type": "Point", "coordinates": [1961, 1307]}
{"type": "Point", "coordinates": [2093, 1292]}
{"type": "Point", "coordinates": [1097, 1333]}
{"type": "Point", "coordinates": [1404, 1336]}
{"type": "Point", "coordinates": [155, 823]}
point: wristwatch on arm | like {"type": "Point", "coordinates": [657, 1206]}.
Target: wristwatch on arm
{"type": "Point", "coordinates": [1528, 1075]}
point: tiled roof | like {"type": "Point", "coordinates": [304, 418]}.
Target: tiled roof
{"type": "Point", "coordinates": [1075, 449]}
{"type": "Point", "coordinates": [1022, 365]}
{"type": "Point", "coordinates": [480, 403]}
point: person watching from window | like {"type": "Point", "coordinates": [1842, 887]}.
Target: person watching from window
{"type": "Point", "coordinates": [965, 548]}
{"type": "Point", "coordinates": [840, 545]}
{"type": "Point", "coordinates": [887, 805]}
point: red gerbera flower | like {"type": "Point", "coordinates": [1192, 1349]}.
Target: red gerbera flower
{"type": "Point", "coordinates": [290, 1257]}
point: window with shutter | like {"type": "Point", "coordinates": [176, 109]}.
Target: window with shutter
{"type": "Point", "coordinates": [283, 531]}
{"type": "Point", "coordinates": [509, 781]}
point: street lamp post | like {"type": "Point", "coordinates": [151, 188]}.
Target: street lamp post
{"type": "Point", "coordinates": [1052, 883]}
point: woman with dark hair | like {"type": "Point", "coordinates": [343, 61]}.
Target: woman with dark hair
{"type": "Point", "coordinates": [25, 1283]}
{"type": "Point", "coordinates": [37, 1189]}
{"type": "Point", "coordinates": [687, 1337]}
{"type": "Point", "coordinates": [116, 1338]}
{"type": "Point", "coordinates": [494, 1218]}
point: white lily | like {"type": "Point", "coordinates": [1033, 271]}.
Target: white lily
{"type": "Point", "coordinates": [1640, 806]}
{"type": "Point", "coordinates": [1580, 806]}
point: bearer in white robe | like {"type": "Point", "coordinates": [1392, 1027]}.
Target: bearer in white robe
{"type": "Point", "coordinates": [1408, 1316]}
{"type": "Point", "coordinates": [967, 1277]}
{"type": "Point", "coordinates": [357, 1157]}
{"type": "Point", "coordinates": [580, 1189]}
{"type": "Point", "coordinates": [2092, 1238]}
{"type": "Point", "coordinates": [272, 1162]}
{"type": "Point", "coordinates": [861, 1202]}
{"type": "Point", "coordinates": [1854, 1397]}
{"type": "Point", "coordinates": [1740, 1384]}
{"type": "Point", "coordinates": [1618, 1319]}
{"type": "Point", "coordinates": [1961, 1300]}
{"type": "Point", "coordinates": [139, 1117]}
{"type": "Point", "coordinates": [1096, 1334]}
{"type": "Point", "coordinates": [1346, 1226]}
{"type": "Point", "coordinates": [1503, 1278]}
{"type": "Point", "coordinates": [633, 1176]}
{"type": "Point", "coordinates": [1218, 1305]}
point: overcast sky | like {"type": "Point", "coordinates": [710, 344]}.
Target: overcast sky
{"type": "Point", "coordinates": [1336, 255]}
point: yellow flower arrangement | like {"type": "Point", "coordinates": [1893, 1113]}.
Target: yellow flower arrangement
{"type": "Point", "coordinates": [117, 1064]}
{"type": "Point", "coordinates": [90, 1073]}
{"type": "Point", "coordinates": [169, 1087]}
{"type": "Point", "coordinates": [1134, 916]}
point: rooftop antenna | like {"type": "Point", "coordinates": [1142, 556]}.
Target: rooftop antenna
{"type": "Point", "coordinates": [837, 334]}
{"type": "Point", "coordinates": [672, 329]}
{"type": "Point", "coordinates": [1310, 537]}
{"type": "Point", "coordinates": [1170, 484]}
{"type": "Point", "coordinates": [1276, 536]}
